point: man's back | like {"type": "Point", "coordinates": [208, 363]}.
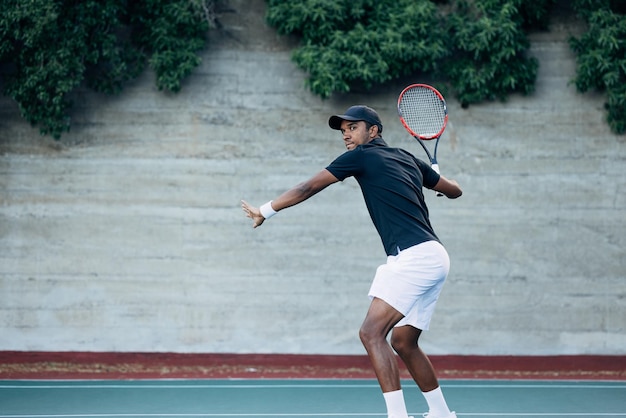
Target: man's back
{"type": "Point", "coordinates": [391, 180]}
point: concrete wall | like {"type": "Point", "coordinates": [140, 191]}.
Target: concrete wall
{"type": "Point", "coordinates": [127, 235]}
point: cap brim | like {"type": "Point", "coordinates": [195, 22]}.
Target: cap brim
{"type": "Point", "coordinates": [335, 121]}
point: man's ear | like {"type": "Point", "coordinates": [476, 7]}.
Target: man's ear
{"type": "Point", "coordinates": [373, 133]}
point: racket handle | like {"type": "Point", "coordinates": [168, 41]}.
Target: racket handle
{"type": "Point", "coordinates": [436, 168]}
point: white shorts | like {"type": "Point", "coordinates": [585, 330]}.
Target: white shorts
{"type": "Point", "coordinates": [411, 282]}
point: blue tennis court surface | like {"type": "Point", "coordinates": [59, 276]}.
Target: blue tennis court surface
{"type": "Point", "coordinates": [301, 398]}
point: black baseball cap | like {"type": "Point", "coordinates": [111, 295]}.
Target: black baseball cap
{"type": "Point", "coordinates": [356, 113]}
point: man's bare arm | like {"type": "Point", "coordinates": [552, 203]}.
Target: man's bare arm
{"type": "Point", "coordinates": [450, 188]}
{"type": "Point", "coordinates": [293, 196]}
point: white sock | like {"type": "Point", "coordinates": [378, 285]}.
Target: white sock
{"type": "Point", "coordinates": [396, 407]}
{"type": "Point", "coordinates": [436, 403]}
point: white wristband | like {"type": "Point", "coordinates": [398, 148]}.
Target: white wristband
{"type": "Point", "coordinates": [267, 210]}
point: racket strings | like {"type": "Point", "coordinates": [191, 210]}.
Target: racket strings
{"type": "Point", "coordinates": [423, 112]}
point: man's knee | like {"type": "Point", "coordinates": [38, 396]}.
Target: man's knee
{"type": "Point", "coordinates": [380, 319]}
{"type": "Point", "coordinates": [404, 339]}
{"type": "Point", "coordinates": [399, 343]}
{"type": "Point", "coordinates": [372, 333]}
{"type": "Point", "coordinates": [366, 334]}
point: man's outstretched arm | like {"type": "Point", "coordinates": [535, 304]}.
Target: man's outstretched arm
{"type": "Point", "coordinates": [291, 197]}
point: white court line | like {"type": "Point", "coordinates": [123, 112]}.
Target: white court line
{"type": "Point", "coordinates": [195, 415]}
{"type": "Point", "coordinates": [494, 414]}
{"type": "Point", "coordinates": [573, 385]}
{"type": "Point", "coordinates": [189, 415]}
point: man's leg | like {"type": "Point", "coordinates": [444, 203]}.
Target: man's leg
{"type": "Point", "coordinates": [380, 319]}
{"type": "Point", "coordinates": [405, 341]}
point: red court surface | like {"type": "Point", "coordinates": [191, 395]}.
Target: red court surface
{"type": "Point", "coordinates": [93, 365]}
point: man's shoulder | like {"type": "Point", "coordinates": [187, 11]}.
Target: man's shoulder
{"type": "Point", "coordinates": [391, 150]}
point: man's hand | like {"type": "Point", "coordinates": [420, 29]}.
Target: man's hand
{"type": "Point", "coordinates": [253, 213]}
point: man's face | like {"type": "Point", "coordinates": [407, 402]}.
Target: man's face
{"type": "Point", "coordinates": [356, 133]}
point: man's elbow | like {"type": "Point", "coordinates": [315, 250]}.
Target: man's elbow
{"type": "Point", "coordinates": [451, 189]}
{"type": "Point", "coordinates": [455, 191]}
{"type": "Point", "coordinates": [455, 195]}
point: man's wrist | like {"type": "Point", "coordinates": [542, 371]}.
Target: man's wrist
{"type": "Point", "coordinates": [267, 210]}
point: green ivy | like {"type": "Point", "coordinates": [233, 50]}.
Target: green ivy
{"type": "Point", "coordinates": [534, 14]}
{"type": "Point", "coordinates": [489, 43]}
{"type": "Point", "coordinates": [50, 47]}
{"type": "Point", "coordinates": [172, 32]}
{"type": "Point", "coordinates": [360, 43]}
{"type": "Point", "coordinates": [479, 45]}
{"type": "Point", "coordinates": [601, 58]}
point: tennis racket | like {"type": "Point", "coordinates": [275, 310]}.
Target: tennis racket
{"type": "Point", "coordinates": [424, 114]}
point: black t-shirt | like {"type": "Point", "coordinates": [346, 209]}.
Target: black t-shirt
{"type": "Point", "coordinates": [391, 180]}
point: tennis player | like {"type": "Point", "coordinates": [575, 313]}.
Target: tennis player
{"type": "Point", "coordinates": [404, 290]}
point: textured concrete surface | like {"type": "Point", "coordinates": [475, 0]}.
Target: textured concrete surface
{"type": "Point", "coordinates": [127, 235]}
